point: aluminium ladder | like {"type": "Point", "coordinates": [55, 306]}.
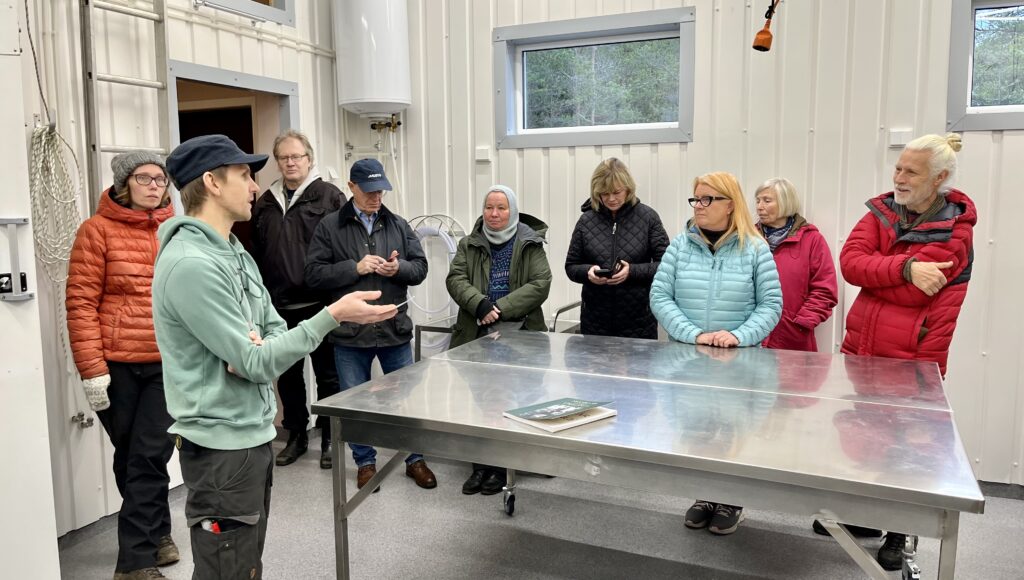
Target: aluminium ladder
{"type": "Point", "coordinates": [158, 16]}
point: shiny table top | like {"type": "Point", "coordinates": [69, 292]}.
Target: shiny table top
{"type": "Point", "coordinates": [867, 426]}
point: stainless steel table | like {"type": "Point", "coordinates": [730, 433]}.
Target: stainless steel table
{"type": "Point", "coordinates": [866, 441]}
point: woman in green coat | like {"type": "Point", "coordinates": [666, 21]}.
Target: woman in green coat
{"type": "Point", "coordinates": [499, 278]}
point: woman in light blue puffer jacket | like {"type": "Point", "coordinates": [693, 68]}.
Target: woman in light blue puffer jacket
{"type": "Point", "coordinates": [717, 285]}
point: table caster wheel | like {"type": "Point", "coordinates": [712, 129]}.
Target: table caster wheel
{"type": "Point", "coordinates": [510, 504]}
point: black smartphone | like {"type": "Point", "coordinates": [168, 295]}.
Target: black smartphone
{"type": "Point", "coordinates": [603, 273]}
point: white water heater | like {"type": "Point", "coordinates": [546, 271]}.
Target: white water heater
{"type": "Point", "coordinates": [371, 40]}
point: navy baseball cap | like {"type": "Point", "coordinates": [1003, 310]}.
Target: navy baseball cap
{"type": "Point", "coordinates": [198, 155]}
{"type": "Point", "coordinates": [368, 174]}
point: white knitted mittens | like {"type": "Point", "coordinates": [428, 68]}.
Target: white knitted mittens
{"type": "Point", "coordinates": [96, 392]}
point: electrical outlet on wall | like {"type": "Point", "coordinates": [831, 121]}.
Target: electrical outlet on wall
{"type": "Point", "coordinates": [7, 287]}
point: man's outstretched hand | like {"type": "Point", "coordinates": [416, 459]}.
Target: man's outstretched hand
{"type": "Point", "coordinates": [355, 307]}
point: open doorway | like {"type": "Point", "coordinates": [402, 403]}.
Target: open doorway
{"type": "Point", "coordinates": [250, 118]}
{"type": "Point", "coordinates": [250, 109]}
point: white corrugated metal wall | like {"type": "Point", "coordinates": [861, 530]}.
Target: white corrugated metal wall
{"type": "Point", "coordinates": [816, 109]}
{"type": "Point", "coordinates": [84, 489]}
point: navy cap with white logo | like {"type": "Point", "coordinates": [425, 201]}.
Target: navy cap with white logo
{"type": "Point", "coordinates": [368, 174]}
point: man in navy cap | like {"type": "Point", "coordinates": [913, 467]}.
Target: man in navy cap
{"type": "Point", "coordinates": [223, 344]}
{"type": "Point", "coordinates": [363, 246]}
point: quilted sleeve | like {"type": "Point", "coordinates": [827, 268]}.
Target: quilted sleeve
{"type": "Point", "coordinates": [86, 276]}
{"type": "Point", "coordinates": [663, 300]}
{"type": "Point", "coordinates": [767, 297]}
{"type": "Point", "coordinates": [863, 264]}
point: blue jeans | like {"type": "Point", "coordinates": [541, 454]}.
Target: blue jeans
{"type": "Point", "coordinates": [354, 369]}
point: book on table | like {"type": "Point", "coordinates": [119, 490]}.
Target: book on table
{"type": "Point", "coordinates": [560, 414]}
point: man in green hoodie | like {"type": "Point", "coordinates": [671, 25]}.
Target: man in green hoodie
{"type": "Point", "coordinates": [223, 344]}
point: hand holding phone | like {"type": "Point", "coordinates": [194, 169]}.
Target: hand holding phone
{"type": "Point", "coordinates": [603, 272]}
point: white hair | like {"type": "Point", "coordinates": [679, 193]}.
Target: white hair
{"type": "Point", "coordinates": [943, 152]}
{"type": "Point", "coordinates": [785, 195]}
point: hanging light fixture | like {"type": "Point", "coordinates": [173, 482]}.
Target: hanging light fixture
{"type": "Point", "coordinates": [763, 38]}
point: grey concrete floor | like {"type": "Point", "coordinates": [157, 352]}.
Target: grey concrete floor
{"type": "Point", "coordinates": [561, 529]}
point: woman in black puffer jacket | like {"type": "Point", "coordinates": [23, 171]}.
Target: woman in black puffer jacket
{"type": "Point", "coordinates": [615, 250]}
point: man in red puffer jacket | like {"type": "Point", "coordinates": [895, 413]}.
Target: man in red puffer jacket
{"type": "Point", "coordinates": [911, 255]}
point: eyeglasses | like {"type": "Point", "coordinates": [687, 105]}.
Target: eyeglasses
{"type": "Point", "coordinates": [292, 158]}
{"type": "Point", "coordinates": [706, 200]}
{"type": "Point", "coordinates": [143, 179]}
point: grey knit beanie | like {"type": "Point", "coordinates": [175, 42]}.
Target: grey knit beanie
{"type": "Point", "coordinates": [123, 164]}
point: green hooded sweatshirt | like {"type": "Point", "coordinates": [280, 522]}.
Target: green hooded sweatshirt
{"type": "Point", "coordinates": [207, 296]}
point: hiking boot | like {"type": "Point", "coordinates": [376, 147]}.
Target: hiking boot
{"type": "Point", "coordinates": [699, 514]}
{"type": "Point", "coordinates": [140, 574]}
{"type": "Point", "coordinates": [297, 444]}
{"type": "Point", "coordinates": [166, 552]}
{"type": "Point", "coordinates": [726, 519]}
{"type": "Point", "coordinates": [890, 555]}
{"type": "Point", "coordinates": [855, 531]}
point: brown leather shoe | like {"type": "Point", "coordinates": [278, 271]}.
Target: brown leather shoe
{"type": "Point", "coordinates": [422, 474]}
{"type": "Point", "coordinates": [364, 474]}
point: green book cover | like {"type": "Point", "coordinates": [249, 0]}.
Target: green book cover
{"type": "Point", "coordinates": [554, 409]}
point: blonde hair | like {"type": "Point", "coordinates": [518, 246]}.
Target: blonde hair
{"type": "Point", "coordinates": [740, 222]}
{"type": "Point", "coordinates": [193, 195]}
{"type": "Point", "coordinates": [610, 175]}
{"type": "Point", "coordinates": [785, 193]}
{"type": "Point", "coordinates": [943, 152]}
{"type": "Point", "coordinates": [301, 138]}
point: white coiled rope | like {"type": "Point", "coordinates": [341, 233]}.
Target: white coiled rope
{"type": "Point", "coordinates": [55, 219]}
{"type": "Point", "coordinates": [449, 231]}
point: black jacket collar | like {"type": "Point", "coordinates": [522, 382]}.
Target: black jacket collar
{"type": "Point", "coordinates": [348, 212]}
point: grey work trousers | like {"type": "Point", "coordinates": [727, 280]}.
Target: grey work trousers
{"type": "Point", "coordinates": [231, 488]}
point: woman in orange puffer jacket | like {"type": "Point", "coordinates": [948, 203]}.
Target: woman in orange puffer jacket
{"type": "Point", "coordinates": [110, 322]}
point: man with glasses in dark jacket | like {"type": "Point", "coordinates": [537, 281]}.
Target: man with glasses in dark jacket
{"type": "Point", "coordinates": [364, 246]}
{"type": "Point", "coordinates": [283, 221]}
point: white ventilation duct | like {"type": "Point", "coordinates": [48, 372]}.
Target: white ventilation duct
{"type": "Point", "coordinates": [371, 39]}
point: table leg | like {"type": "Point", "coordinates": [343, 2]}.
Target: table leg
{"type": "Point", "coordinates": [849, 545]}
{"type": "Point", "coordinates": [340, 497]}
{"type": "Point", "coordinates": [947, 546]}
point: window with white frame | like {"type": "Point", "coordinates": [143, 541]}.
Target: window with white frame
{"type": "Point", "coordinates": [595, 81]}
{"type": "Point", "coordinates": [278, 11]}
{"type": "Point", "coordinates": [986, 66]}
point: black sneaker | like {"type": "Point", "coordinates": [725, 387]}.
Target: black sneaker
{"type": "Point", "coordinates": [726, 519]}
{"type": "Point", "coordinates": [855, 531]}
{"type": "Point", "coordinates": [699, 514]}
{"type": "Point", "coordinates": [326, 461]}
{"type": "Point", "coordinates": [890, 555]}
{"type": "Point", "coordinates": [297, 444]}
